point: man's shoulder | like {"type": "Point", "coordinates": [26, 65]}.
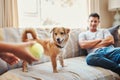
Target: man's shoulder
{"type": "Point", "coordinates": [103, 30]}
{"type": "Point", "coordinates": [84, 32]}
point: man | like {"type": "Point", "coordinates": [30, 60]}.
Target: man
{"type": "Point", "coordinates": [99, 45]}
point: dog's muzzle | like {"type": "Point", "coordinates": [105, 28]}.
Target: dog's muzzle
{"type": "Point", "coordinates": [59, 41]}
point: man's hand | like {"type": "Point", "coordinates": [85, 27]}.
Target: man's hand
{"type": "Point", "coordinates": [105, 42]}
{"type": "Point", "coordinates": [85, 44]}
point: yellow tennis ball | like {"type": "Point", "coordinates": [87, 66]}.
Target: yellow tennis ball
{"type": "Point", "coordinates": [37, 50]}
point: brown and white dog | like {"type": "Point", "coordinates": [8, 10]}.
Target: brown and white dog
{"type": "Point", "coordinates": [53, 48]}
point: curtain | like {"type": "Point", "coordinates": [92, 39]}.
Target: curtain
{"type": "Point", "coordinates": [93, 6]}
{"type": "Point", "coordinates": [8, 13]}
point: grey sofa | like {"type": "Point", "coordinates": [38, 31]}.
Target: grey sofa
{"type": "Point", "coordinates": [76, 67]}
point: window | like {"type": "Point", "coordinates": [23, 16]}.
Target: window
{"type": "Point", "coordinates": [50, 13]}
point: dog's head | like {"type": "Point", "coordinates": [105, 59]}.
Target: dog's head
{"type": "Point", "coordinates": [60, 35]}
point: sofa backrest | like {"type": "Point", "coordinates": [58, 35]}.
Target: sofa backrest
{"type": "Point", "coordinates": [14, 35]}
{"type": "Point", "coordinates": [72, 49]}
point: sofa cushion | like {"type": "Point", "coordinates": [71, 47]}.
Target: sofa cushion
{"type": "Point", "coordinates": [76, 69]}
{"type": "Point", "coordinates": [114, 31]}
{"type": "Point", "coordinates": [3, 66]}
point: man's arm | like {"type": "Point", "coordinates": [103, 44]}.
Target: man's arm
{"type": "Point", "coordinates": [105, 42]}
{"type": "Point", "coordinates": [85, 44]}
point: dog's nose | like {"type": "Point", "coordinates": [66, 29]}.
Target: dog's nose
{"type": "Point", "coordinates": [58, 39]}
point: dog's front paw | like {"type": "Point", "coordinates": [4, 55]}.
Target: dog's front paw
{"type": "Point", "coordinates": [55, 71]}
{"type": "Point", "coordinates": [24, 66]}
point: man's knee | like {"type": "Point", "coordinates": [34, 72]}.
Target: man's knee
{"type": "Point", "coordinates": [91, 59]}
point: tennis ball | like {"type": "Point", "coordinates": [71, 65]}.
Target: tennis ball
{"type": "Point", "coordinates": [36, 50]}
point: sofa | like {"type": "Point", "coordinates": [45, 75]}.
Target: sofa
{"type": "Point", "coordinates": [75, 69]}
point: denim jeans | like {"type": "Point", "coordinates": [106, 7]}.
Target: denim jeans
{"type": "Point", "coordinates": [107, 57]}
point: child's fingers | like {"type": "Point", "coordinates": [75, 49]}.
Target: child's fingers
{"type": "Point", "coordinates": [30, 43]}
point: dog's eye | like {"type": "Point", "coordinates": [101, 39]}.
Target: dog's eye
{"type": "Point", "coordinates": [55, 33]}
{"type": "Point", "coordinates": [61, 33]}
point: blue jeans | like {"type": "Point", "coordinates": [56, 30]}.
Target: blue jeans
{"type": "Point", "coordinates": [107, 57]}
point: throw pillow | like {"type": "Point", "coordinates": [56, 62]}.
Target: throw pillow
{"type": "Point", "coordinates": [114, 31]}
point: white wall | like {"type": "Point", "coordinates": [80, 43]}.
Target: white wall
{"type": "Point", "coordinates": [106, 15]}
{"type": "Point", "coordinates": [29, 13]}
{"type": "Point", "coordinates": [47, 13]}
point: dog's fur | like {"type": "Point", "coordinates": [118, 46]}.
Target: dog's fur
{"type": "Point", "coordinates": [53, 48]}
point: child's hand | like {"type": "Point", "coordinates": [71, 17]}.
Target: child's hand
{"type": "Point", "coordinates": [21, 51]}
{"type": "Point", "coordinates": [10, 58]}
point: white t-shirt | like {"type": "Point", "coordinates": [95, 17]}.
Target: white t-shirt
{"type": "Point", "coordinates": [99, 34]}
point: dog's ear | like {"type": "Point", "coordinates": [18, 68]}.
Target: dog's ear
{"type": "Point", "coordinates": [52, 30]}
{"type": "Point", "coordinates": [67, 30]}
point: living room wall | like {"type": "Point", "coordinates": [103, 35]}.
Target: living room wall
{"type": "Point", "coordinates": [49, 13]}
{"type": "Point", "coordinates": [72, 13]}
{"type": "Point", "coordinates": [101, 7]}
{"type": "Point", "coordinates": [106, 15]}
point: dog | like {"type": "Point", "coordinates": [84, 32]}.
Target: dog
{"type": "Point", "coordinates": [53, 48]}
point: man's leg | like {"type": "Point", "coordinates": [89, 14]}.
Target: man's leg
{"type": "Point", "coordinates": [101, 61]}
{"type": "Point", "coordinates": [114, 54]}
